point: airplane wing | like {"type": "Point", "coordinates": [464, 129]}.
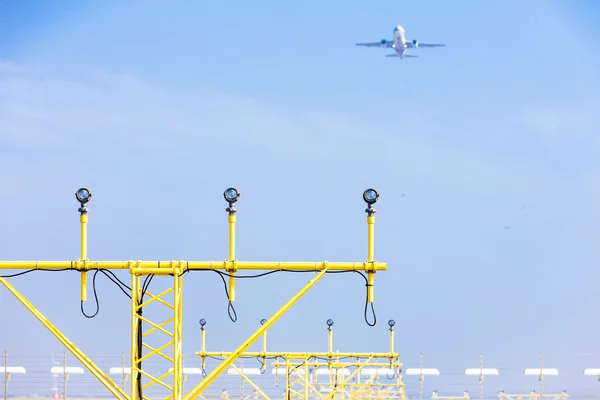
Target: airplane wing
{"type": "Point", "coordinates": [414, 44]}
{"type": "Point", "coordinates": [383, 43]}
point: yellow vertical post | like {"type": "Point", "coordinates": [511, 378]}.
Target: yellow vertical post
{"type": "Point", "coordinates": [287, 379]}
{"type": "Point", "coordinates": [231, 219]}
{"type": "Point", "coordinates": [203, 344]}
{"type": "Point", "coordinates": [135, 298]}
{"type": "Point", "coordinates": [83, 218]}
{"type": "Point", "coordinates": [264, 346]}
{"type": "Point", "coordinates": [231, 196]}
{"type": "Point", "coordinates": [370, 196]}
{"type": "Point", "coordinates": [370, 255]}
{"type": "Point", "coordinates": [83, 195]}
{"type": "Point", "coordinates": [177, 357]}
{"type": "Point", "coordinates": [391, 340]}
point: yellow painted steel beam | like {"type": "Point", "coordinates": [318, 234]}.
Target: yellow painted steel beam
{"type": "Point", "coordinates": [235, 354]}
{"type": "Point", "coordinates": [298, 355]}
{"type": "Point", "coordinates": [83, 218]}
{"type": "Point", "coordinates": [335, 365]}
{"type": "Point", "coordinates": [232, 262]}
{"type": "Point", "coordinates": [167, 267]}
{"type": "Point", "coordinates": [254, 386]}
{"type": "Point", "coordinates": [112, 387]}
{"type": "Point", "coordinates": [345, 381]}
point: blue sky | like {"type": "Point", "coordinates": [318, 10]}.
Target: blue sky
{"type": "Point", "coordinates": [159, 108]}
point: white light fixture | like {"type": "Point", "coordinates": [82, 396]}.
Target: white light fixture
{"type": "Point", "coordinates": [338, 371]}
{"type": "Point", "coordinates": [541, 371]}
{"type": "Point", "coordinates": [245, 371]}
{"type": "Point", "coordinates": [190, 371]}
{"type": "Point", "coordinates": [592, 372]}
{"type": "Point", "coordinates": [481, 371]}
{"type": "Point", "coordinates": [281, 371]}
{"type": "Point", "coordinates": [12, 370]}
{"type": "Point", "coordinates": [119, 371]}
{"type": "Point", "coordinates": [66, 370]}
{"type": "Point", "coordinates": [422, 371]}
{"type": "Point", "coordinates": [382, 371]}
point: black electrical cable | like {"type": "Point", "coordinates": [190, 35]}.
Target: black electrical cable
{"type": "Point", "coordinates": [110, 275]}
{"type": "Point", "coordinates": [230, 307]}
{"type": "Point", "coordinates": [35, 269]}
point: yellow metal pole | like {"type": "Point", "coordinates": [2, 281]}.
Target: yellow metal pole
{"type": "Point", "coordinates": [203, 346]}
{"type": "Point", "coordinates": [264, 346]}
{"type": "Point", "coordinates": [135, 298]}
{"type": "Point", "coordinates": [287, 380]}
{"type": "Point", "coordinates": [235, 354]}
{"type": "Point", "coordinates": [83, 218]}
{"type": "Point", "coordinates": [370, 255]}
{"type": "Point", "coordinates": [231, 218]}
{"type": "Point", "coordinates": [177, 356]}
{"type": "Point", "coordinates": [113, 388]}
{"type": "Point", "coordinates": [165, 268]}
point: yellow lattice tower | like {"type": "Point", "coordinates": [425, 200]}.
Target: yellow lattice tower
{"type": "Point", "coordinates": [171, 349]}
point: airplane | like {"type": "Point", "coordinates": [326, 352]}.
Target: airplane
{"type": "Point", "coordinates": [399, 44]}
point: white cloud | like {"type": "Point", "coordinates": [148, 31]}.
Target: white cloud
{"type": "Point", "coordinates": [119, 113]}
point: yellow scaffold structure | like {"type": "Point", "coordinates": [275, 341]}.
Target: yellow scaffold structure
{"type": "Point", "coordinates": [342, 371]}
{"type": "Point", "coordinates": [171, 299]}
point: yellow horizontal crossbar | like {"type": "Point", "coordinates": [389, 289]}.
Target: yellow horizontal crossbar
{"type": "Point", "coordinates": [301, 356]}
{"type": "Point", "coordinates": [167, 267]}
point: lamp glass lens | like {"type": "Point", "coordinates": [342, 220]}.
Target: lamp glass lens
{"type": "Point", "coordinates": [83, 194]}
{"type": "Point", "coordinates": [370, 195]}
{"type": "Point", "coordinates": [231, 194]}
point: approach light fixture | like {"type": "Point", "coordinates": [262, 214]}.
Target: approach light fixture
{"type": "Point", "coordinates": [370, 196]}
{"type": "Point", "coordinates": [330, 323]}
{"type": "Point", "coordinates": [231, 195]}
{"type": "Point", "coordinates": [263, 321]}
{"type": "Point", "coordinates": [391, 323]}
{"type": "Point", "coordinates": [202, 323]}
{"type": "Point", "coordinates": [83, 195]}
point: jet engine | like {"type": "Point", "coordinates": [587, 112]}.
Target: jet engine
{"type": "Point", "coordinates": [415, 43]}
{"type": "Point", "coordinates": [383, 42]}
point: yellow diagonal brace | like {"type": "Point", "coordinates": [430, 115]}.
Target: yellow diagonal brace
{"type": "Point", "coordinates": [235, 354]}
{"type": "Point", "coordinates": [112, 387]}
{"type": "Point", "coordinates": [157, 298]}
{"type": "Point", "coordinates": [153, 380]}
{"type": "Point", "coordinates": [149, 331]}
{"type": "Point", "coordinates": [156, 326]}
{"type": "Point", "coordinates": [159, 380]}
{"type": "Point", "coordinates": [250, 382]}
{"type": "Point", "coordinates": [156, 351]}
{"type": "Point", "coordinates": [345, 381]}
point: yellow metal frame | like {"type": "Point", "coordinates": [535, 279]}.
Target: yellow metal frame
{"type": "Point", "coordinates": [299, 383]}
{"type": "Point", "coordinates": [173, 268]}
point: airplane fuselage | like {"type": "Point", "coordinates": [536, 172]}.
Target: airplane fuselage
{"type": "Point", "coordinates": [399, 41]}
